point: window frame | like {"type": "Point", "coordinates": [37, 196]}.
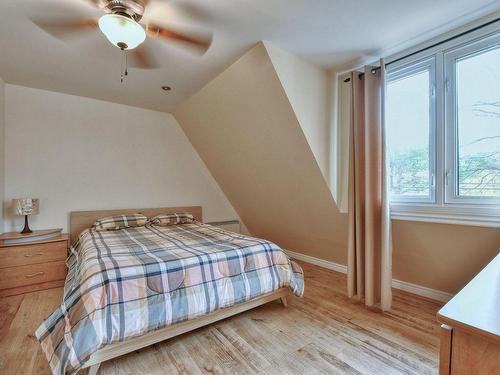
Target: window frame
{"type": "Point", "coordinates": [478, 211]}
{"type": "Point", "coordinates": [451, 56]}
{"type": "Point", "coordinates": [404, 71]}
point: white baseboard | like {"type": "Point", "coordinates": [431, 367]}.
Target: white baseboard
{"type": "Point", "coordinates": [317, 261]}
{"type": "Point", "coordinates": [423, 291]}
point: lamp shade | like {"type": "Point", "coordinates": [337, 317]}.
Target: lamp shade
{"type": "Point", "coordinates": [25, 206]}
{"type": "Point", "coordinates": [122, 31]}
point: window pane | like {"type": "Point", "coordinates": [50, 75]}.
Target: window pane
{"type": "Point", "coordinates": [478, 124]}
{"type": "Point", "coordinates": [408, 126]}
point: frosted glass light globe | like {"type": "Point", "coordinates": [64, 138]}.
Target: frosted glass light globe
{"type": "Point", "coordinates": [120, 29]}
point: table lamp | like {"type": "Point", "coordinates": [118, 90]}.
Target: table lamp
{"type": "Point", "coordinates": [26, 207]}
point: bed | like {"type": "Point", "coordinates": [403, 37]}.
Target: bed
{"type": "Point", "coordinates": [130, 288]}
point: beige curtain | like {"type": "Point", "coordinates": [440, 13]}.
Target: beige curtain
{"type": "Point", "coordinates": [369, 261]}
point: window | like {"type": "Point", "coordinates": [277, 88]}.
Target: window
{"type": "Point", "coordinates": [474, 116]}
{"type": "Point", "coordinates": [410, 121]}
{"type": "Point", "coordinates": [443, 132]}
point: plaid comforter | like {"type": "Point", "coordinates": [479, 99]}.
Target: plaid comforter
{"type": "Point", "coordinates": [127, 282]}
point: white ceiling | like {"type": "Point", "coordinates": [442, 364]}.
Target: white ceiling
{"type": "Point", "coordinates": [327, 32]}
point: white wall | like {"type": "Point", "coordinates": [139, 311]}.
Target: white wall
{"type": "Point", "coordinates": [76, 153]}
{"type": "Point", "coordinates": [307, 88]}
{"type": "Point", "coordinates": [2, 147]}
{"type": "Point", "coordinates": [341, 124]}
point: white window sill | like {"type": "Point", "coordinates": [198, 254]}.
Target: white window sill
{"type": "Point", "coordinates": [482, 216]}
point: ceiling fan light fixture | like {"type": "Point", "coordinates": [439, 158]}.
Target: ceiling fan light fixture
{"type": "Point", "coordinates": [123, 32]}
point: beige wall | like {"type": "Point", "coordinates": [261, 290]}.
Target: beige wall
{"type": "Point", "coordinates": [2, 148]}
{"type": "Point", "coordinates": [441, 256]}
{"type": "Point", "coordinates": [77, 153]}
{"type": "Point", "coordinates": [244, 128]}
{"type": "Point", "coordinates": [307, 88]}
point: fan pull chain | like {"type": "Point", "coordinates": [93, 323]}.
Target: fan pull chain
{"type": "Point", "coordinates": [121, 66]}
{"type": "Point", "coordinates": [124, 65]}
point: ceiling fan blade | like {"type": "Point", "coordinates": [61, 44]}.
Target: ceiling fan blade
{"type": "Point", "coordinates": [201, 43]}
{"type": "Point", "coordinates": [97, 3]}
{"type": "Point", "coordinates": [182, 10]}
{"type": "Point", "coordinates": [66, 28]}
{"type": "Point", "coordinates": [143, 58]}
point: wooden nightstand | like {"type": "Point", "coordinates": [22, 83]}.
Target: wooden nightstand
{"type": "Point", "coordinates": [34, 265]}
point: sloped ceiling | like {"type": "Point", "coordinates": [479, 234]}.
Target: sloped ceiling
{"type": "Point", "coordinates": [243, 126]}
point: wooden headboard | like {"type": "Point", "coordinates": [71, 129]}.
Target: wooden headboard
{"type": "Point", "coordinates": [81, 220]}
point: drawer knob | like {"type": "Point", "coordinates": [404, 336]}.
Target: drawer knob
{"type": "Point", "coordinates": [33, 255]}
{"type": "Point", "coordinates": [34, 274]}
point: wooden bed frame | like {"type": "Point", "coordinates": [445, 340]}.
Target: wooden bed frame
{"type": "Point", "coordinates": [81, 220]}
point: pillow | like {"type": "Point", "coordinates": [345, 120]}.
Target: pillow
{"type": "Point", "coordinates": [164, 220]}
{"type": "Point", "coordinates": [119, 222]}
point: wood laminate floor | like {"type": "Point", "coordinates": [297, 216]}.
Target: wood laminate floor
{"type": "Point", "coordinates": [323, 333]}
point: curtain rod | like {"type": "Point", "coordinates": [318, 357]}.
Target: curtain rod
{"type": "Point", "coordinates": [375, 69]}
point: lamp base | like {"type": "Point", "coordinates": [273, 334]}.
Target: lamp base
{"type": "Point", "coordinates": [26, 228]}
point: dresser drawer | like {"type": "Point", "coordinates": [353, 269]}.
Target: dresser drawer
{"type": "Point", "coordinates": [33, 274]}
{"type": "Point", "coordinates": [32, 254]}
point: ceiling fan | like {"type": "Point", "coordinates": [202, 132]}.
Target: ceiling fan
{"type": "Point", "coordinates": [122, 26]}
